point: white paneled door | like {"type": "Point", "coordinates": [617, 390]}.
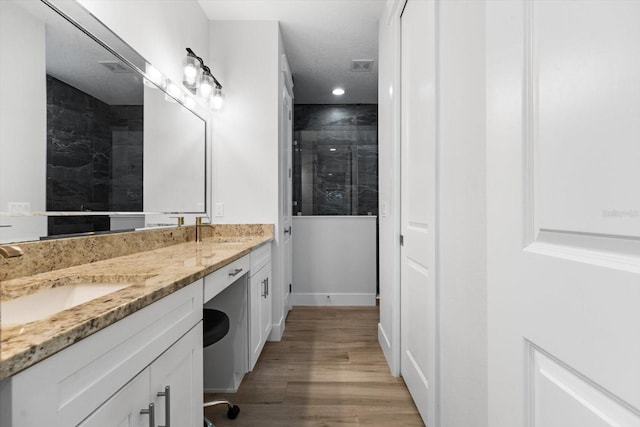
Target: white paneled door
{"type": "Point", "coordinates": [418, 198]}
{"type": "Point", "coordinates": [287, 196]}
{"type": "Point", "coordinates": [563, 135]}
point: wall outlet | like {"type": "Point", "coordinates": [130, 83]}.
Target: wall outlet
{"type": "Point", "coordinates": [384, 209]}
{"type": "Point", "coordinates": [219, 209]}
{"type": "Point", "coordinates": [19, 208]}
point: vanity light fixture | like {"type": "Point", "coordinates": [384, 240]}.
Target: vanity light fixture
{"type": "Point", "coordinates": [338, 91]}
{"type": "Point", "coordinates": [198, 79]}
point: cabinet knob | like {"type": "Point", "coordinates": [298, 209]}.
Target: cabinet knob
{"type": "Point", "coordinates": [152, 414]}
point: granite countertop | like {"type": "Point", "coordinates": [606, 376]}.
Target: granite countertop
{"type": "Point", "coordinates": [154, 274]}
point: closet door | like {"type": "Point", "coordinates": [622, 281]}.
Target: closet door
{"type": "Point", "coordinates": [418, 198]}
{"type": "Point", "coordinates": [563, 102]}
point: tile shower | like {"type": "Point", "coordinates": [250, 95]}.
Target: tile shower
{"type": "Point", "coordinates": [335, 190]}
{"type": "Point", "coordinates": [335, 159]}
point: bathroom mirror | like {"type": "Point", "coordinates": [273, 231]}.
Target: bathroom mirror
{"type": "Point", "coordinates": [88, 141]}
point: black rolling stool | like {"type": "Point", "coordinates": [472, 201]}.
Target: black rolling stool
{"type": "Point", "coordinates": [216, 326]}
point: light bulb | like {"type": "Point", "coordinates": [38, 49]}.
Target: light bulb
{"type": "Point", "coordinates": [190, 72]}
{"type": "Point", "coordinates": [217, 100]}
{"type": "Point", "coordinates": [206, 85]}
{"type": "Point", "coordinates": [338, 91]}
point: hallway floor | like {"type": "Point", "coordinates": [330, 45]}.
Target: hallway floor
{"type": "Point", "coordinates": [328, 370]}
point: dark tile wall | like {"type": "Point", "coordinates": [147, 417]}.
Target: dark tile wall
{"type": "Point", "coordinates": [335, 159]}
{"type": "Point", "coordinates": [83, 135]}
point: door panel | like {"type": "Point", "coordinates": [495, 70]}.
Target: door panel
{"type": "Point", "coordinates": [562, 397]}
{"type": "Point", "coordinates": [564, 213]}
{"type": "Point", "coordinates": [418, 198]}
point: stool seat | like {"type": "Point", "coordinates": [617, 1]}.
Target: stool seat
{"type": "Point", "coordinates": [216, 326]}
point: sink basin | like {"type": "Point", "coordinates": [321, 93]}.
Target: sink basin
{"type": "Point", "coordinates": [48, 302]}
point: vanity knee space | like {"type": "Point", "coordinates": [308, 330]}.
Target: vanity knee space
{"type": "Point", "coordinates": [243, 291]}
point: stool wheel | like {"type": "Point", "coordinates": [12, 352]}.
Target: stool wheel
{"type": "Point", "coordinates": [233, 412]}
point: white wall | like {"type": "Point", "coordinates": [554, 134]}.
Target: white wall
{"type": "Point", "coordinates": [158, 30]}
{"type": "Point", "coordinates": [23, 121]}
{"type": "Point", "coordinates": [334, 262]}
{"type": "Point", "coordinates": [461, 210]}
{"type": "Point", "coordinates": [462, 145]}
{"type": "Point", "coordinates": [244, 57]}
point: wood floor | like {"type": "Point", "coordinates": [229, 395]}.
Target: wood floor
{"type": "Point", "coordinates": [328, 370]}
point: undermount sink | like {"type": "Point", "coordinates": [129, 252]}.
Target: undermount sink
{"type": "Point", "coordinates": [50, 301]}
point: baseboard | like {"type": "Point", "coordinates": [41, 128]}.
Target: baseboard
{"type": "Point", "coordinates": [232, 389]}
{"type": "Point", "coordinates": [385, 345]}
{"type": "Point", "coordinates": [333, 299]}
{"type": "Point", "coordinates": [277, 330]}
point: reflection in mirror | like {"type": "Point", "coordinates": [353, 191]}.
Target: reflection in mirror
{"type": "Point", "coordinates": [81, 133]}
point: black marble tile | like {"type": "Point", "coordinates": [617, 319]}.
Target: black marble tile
{"type": "Point", "coordinates": [83, 133]}
{"type": "Point", "coordinates": [336, 158]}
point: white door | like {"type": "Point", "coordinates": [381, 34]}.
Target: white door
{"type": "Point", "coordinates": [287, 241]}
{"type": "Point", "coordinates": [418, 197]}
{"type": "Point", "coordinates": [563, 141]}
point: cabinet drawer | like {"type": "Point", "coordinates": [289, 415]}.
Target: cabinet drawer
{"type": "Point", "coordinates": [218, 281]}
{"type": "Point", "coordinates": [260, 257]}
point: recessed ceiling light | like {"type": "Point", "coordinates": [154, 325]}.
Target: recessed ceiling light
{"type": "Point", "coordinates": [332, 149]}
{"type": "Point", "coordinates": [338, 91]}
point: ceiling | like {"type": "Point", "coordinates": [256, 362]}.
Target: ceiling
{"type": "Point", "coordinates": [321, 38]}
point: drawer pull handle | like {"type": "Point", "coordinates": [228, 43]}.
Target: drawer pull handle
{"type": "Point", "coordinates": [235, 272]}
{"type": "Point", "coordinates": [152, 414]}
{"type": "Point", "coordinates": [167, 405]}
{"type": "Point", "coordinates": [267, 293]}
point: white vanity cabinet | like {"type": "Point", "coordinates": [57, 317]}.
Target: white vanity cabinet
{"type": "Point", "coordinates": [168, 384]}
{"type": "Point", "coordinates": [107, 378]}
{"type": "Point", "coordinates": [260, 301]}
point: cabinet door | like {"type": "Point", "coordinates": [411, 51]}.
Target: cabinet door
{"type": "Point", "coordinates": [257, 290]}
{"type": "Point", "coordinates": [266, 309]}
{"type": "Point", "coordinates": [123, 409]}
{"type": "Point", "coordinates": [180, 369]}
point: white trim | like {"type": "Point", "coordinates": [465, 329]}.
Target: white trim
{"type": "Point", "coordinates": [277, 330]}
{"type": "Point", "coordinates": [385, 345]}
{"type": "Point", "coordinates": [315, 299]}
{"type": "Point", "coordinates": [288, 80]}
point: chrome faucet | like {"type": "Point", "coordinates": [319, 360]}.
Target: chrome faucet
{"type": "Point", "coordinates": [9, 251]}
